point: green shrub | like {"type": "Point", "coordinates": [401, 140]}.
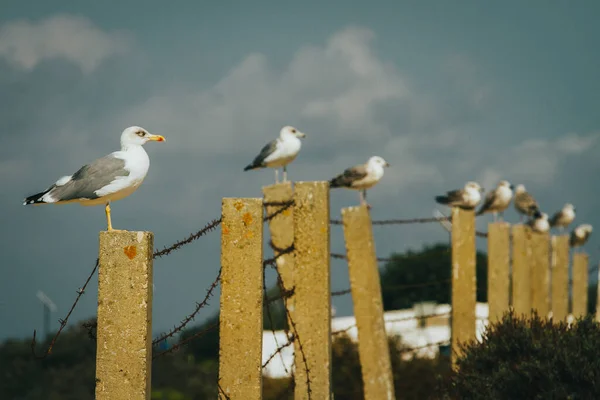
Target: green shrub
{"type": "Point", "coordinates": [530, 358]}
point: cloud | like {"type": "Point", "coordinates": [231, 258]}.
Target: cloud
{"type": "Point", "coordinates": [26, 44]}
{"type": "Point", "coordinates": [538, 160]}
{"type": "Point", "coordinates": [341, 93]}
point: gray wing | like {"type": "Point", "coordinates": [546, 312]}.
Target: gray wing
{"type": "Point", "coordinates": [489, 201]}
{"type": "Point", "coordinates": [259, 160]}
{"type": "Point", "coordinates": [349, 176]}
{"type": "Point", "coordinates": [555, 218]}
{"type": "Point", "coordinates": [90, 178]}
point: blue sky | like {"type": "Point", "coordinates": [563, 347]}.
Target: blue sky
{"type": "Point", "coordinates": [445, 92]}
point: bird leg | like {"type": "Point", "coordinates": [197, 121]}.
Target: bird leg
{"type": "Point", "coordinates": [495, 216]}
{"type": "Point", "coordinates": [501, 216]}
{"type": "Point", "coordinates": [285, 173]}
{"type": "Point", "coordinates": [363, 198]}
{"type": "Point", "coordinates": [107, 210]}
{"type": "Point", "coordinates": [276, 175]}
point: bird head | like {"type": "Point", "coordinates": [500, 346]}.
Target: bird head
{"type": "Point", "coordinates": [520, 188]}
{"type": "Point", "coordinates": [569, 206]}
{"type": "Point", "coordinates": [376, 160]}
{"type": "Point", "coordinates": [505, 184]}
{"type": "Point", "coordinates": [290, 130]}
{"type": "Point", "coordinates": [473, 186]}
{"type": "Point", "coordinates": [586, 228]}
{"type": "Point", "coordinates": [135, 135]}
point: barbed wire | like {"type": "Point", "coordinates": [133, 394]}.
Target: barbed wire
{"type": "Point", "coordinates": [194, 236]}
{"type": "Point", "coordinates": [399, 221]}
{"type": "Point", "coordinates": [178, 328]}
{"type": "Point", "coordinates": [403, 319]}
{"type": "Point", "coordinates": [285, 205]}
{"type": "Point", "coordinates": [221, 391]}
{"type": "Point", "coordinates": [293, 325]}
{"type": "Point", "coordinates": [341, 256]}
{"type": "Point", "coordinates": [63, 322]}
{"type": "Point", "coordinates": [278, 350]}
{"type": "Point", "coordinates": [182, 343]}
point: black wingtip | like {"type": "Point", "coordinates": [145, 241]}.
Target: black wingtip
{"type": "Point", "coordinates": [247, 167]}
{"type": "Point", "coordinates": [35, 199]}
{"type": "Point", "coordinates": [441, 199]}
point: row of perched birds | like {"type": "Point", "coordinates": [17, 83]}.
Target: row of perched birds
{"type": "Point", "coordinates": [119, 174]}
{"type": "Point", "coordinates": [499, 199]}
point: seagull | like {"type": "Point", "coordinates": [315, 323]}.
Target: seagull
{"type": "Point", "coordinates": [539, 222]}
{"type": "Point", "coordinates": [564, 217]}
{"type": "Point", "coordinates": [498, 200]}
{"type": "Point", "coordinates": [110, 178]}
{"type": "Point", "coordinates": [525, 204]}
{"type": "Point", "coordinates": [361, 177]}
{"type": "Point", "coordinates": [580, 235]}
{"type": "Point", "coordinates": [279, 152]}
{"type": "Point", "coordinates": [466, 198]}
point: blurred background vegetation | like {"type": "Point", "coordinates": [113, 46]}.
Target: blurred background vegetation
{"type": "Point", "coordinates": [191, 372]}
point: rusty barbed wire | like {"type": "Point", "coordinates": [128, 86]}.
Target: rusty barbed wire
{"type": "Point", "coordinates": [182, 343]}
{"type": "Point", "coordinates": [291, 321]}
{"type": "Point", "coordinates": [404, 319]}
{"type": "Point", "coordinates": [284, 206]}
{"type": "Point", "coordinates": [278, 350]}
{"type": "Point", "coordinates": [267, 306]}
{"type": "Point", "coordinates": [399, 221]}
{"type": "Point", "coordinates": [194, 236]}
{"type": "Point", "coordinates": [340, 292]}
{"type": "Point", "coordinates": [221, 391]}
{"type": "Point", "coordinates": [341, 256]}
{"type": "Point", "coordinates": [192, 316]}
{"type": "Point", "coordinates": [63, 322]}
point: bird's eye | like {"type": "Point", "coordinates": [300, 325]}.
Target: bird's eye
{"type": "Point", "coordinates": [140, 133]}
{"type": "Point", "coordinates": [293, 131]}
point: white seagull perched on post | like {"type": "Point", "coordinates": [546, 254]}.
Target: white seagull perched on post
{"type": "Point", "coordinates": [564, 217]}
{"type": "Point", "coordinates": [525, 204]}
{"type": "Point", "coordinates": [466, 198]}
{"type": "Point", "coordinates": [279, 152]}
{"type": "Point", "coordinates": [361, 177]}
{"type": "Point", "coordinates": [539, 222]}
{"type": "Point", "coordinates": [497, 200]}
{"type": "Point", "coordinates": [110, 178]}
{"type": "Point", "coordinates": [580, 235]}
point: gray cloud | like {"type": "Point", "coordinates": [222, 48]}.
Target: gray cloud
{"type": "Point", "coordinates": [25, 43]}
{"type": "Point", "coordinates": [350, 99]}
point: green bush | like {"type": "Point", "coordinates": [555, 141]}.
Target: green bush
{"type": "Point", "coordinates": [530, 358]}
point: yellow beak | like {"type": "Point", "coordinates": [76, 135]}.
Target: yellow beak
{"type": "Point", "coordinates": [157, 138]}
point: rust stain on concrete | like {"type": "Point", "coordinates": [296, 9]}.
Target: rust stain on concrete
{"type": "Point", "coordinates": [130, 251]}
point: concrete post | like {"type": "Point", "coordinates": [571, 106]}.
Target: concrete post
{"type": "Point", "coordinates": [580, 284]}
{"type": "Point", "coordinates": [241, 313]}
{"type": "Point", "coordinates": [560, 277]}
{"type": "Point", "coordinates": [281, 228]}
{"type": "Point", "coordinates": [498, 269]}
{"type": "Point", "coordinates": [521, 279]}
{"type": "Point", "coordinates": [312, 299]}
{"type": "Point", "coordinates": [365, 285]}
{"type": "Point", "coordinates": [540, 273]}
{"type": "Point", "coordinates": [464, 287]}
{"type": "Point", "coordinates": [124, 333]}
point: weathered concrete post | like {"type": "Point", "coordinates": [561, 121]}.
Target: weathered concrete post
{"type": "Point", "coordinates": [560, 277]}
{"type": "Point", "coordinates": [540, 273]}
{"type": "Point", "coordinates": [365, 285]}
{"type": "Point", "coordinates": [580, 284]}
{"type": "Point", "coordinates": [281, 227]}
{"type": "Point", "coordinates": [124, 333]}
{"type": "Point", "coordinates": [498, 269]}
{"type": "Point", "coordinates": [241, 313]}
{"type": "Point", "coordinates": [521, 270]}
{"type": "Point", "coordinates": [312, 293]}
{"type": "Point", "coordinates": [464, 285]}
